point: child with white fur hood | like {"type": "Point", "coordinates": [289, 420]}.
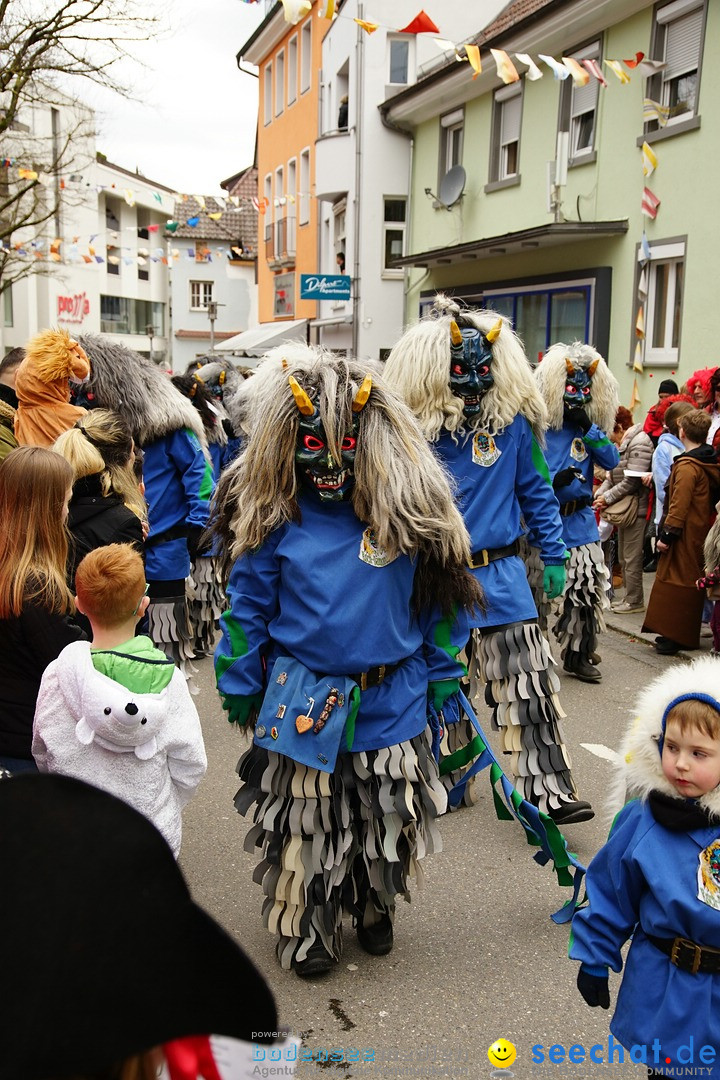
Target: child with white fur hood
{"type": "Point", "coordinates": [657, 879]}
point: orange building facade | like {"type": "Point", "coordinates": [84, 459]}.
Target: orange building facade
{"type": "Point", "coordinates": [289, 59]}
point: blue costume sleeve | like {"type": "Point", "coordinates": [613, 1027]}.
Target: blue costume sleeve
{"type": "Point", "coordinates": [538, 503]}
{"type": "Point", "coordinates": [602, 450]}
{"type": "Point", "coordinates": [196, 475]}
{"type": "Point", "coordinates": [615, 885]}
{"type": "Point", "coordinates": [253, 597]}
{"type": "Point", "coordinates": [444, 637]}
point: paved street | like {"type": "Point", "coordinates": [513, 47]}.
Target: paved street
{"type": "Point", "coordinates": [477, 956]}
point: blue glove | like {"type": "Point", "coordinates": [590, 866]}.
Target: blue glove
{"type": "Point", "coordinates": [241, 710]}
{"type": "Point", "coordinates": [594, 988]}
{"type": "Point", "coordinates": [553, 581]}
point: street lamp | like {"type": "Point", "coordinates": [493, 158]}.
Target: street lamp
{"type": "Point", "coordinates": [150, 331]}
{"type": "Point", "coordinates": [212, 310]}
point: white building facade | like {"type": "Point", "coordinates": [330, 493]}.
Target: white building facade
{"type": "Point", "coordinates": [362, 167]}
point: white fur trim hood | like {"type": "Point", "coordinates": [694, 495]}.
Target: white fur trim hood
{"type": "Point", "coordinates": [640, 770]}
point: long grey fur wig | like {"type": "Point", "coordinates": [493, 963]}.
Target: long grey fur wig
{"type": "Point", "coordinates": [123, 380]}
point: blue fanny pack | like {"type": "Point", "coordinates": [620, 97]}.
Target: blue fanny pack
{"type": "Point", "coordinates": [303, 715]}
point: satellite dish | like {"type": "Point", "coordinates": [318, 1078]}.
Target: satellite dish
{"type": "Point", "coordinates": [452, 186]}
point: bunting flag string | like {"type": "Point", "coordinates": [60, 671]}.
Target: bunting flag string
{"type": "Point", "coordinates": [650, 203]}
{"type": "Point", "coordinates": [616, 67]}
{"type": "Point", "coordinates": [653, 110]}
{"type": "Point", "coordinates": [649, 160]}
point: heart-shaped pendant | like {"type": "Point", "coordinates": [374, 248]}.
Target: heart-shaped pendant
{"type": "Point", "coordinates": [303, 723]}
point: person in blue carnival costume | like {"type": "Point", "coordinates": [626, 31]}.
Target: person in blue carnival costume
{"type": "Point", "coordinates": [582, 399]}
{"type": "Point", "coordinates": [467, 379]}
{"type": "Point", "coordinates": [338, 531]}
{"type": "Point", "coordinates": [657, 880]}
{"type": "Point", "coordinates": [223, 381]}
{"type": "Point", "coordinates": [177, 474]}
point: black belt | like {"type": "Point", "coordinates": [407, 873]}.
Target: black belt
{"type": "Point", "coordinates": [686, 955]}
{"type": "Point", "coordinates": [177, 532]}
{"type": "Point", "coordinates": [488, 555]}
{"type": "Point", "coordinates": [571, 507]}
{"type": "Point", "coordinates": [374, 675]}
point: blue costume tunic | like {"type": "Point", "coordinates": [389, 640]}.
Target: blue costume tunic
{"type": "Point", "coordinates": [178, 488]}
{"type": "Point", "coordinates": [499, 478]}
{"type": "Point", "coordinates": [645, 881]}
{"type": "Point", "coordinates": [569, 448]}
{"type": "Point", "coordinates": [320, 590]}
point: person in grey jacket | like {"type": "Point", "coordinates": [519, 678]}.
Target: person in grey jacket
{"type": "Point", "coordinates": [636, 450]}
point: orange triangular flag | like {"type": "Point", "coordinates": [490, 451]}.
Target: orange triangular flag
{"type": "Point", "coordinates": [421, 24]}
{"type": "Point", "coordinates": [634, 63]}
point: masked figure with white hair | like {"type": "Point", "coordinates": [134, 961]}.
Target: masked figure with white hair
{"type": "Point", "coordinates": [338, 532]}
{"type": "Point", "coordinates": [467, 379]}
{"type": "Point", "coordinates": [581, 396]}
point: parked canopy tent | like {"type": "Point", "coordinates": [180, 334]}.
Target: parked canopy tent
{"type": "Point", "coordinates": [256, 342]}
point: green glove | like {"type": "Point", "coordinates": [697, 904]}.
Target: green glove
{"type": "Point", "coordinates": [241, 710]}
{"type": "Point", "coordinates": [553, 581]}
{"type": "Point", "coordinates": [442, 690]}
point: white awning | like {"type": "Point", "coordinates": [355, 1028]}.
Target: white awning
{"type": "Point", "coordinates": [257, 341]}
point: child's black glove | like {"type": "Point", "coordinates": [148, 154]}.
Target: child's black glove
{"type": "Point", "coordinates": [594, 988]}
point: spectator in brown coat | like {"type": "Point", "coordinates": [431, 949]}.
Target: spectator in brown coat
{"type": "Point", "coordinates": [635, 448]}
{"type": "Point", "coordinates": [676, 605]}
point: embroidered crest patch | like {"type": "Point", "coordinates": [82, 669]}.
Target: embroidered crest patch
{"type": "Point", "coordinates": [578, 450]}
{"type": "Point", "coordinates": [709, 876]}
{"type": "Point", "coordinates": [370, 552]}
{"type": "Point", "coordinates": [484, 449]}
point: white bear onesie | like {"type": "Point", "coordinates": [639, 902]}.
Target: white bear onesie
{"type": "Point", "coordinates": [146, 748]}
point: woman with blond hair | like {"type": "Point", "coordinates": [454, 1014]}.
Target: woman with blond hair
{"type": "Point", "coordinates": [35, 602]}
{"type": "Point", "coordinates": [106, 506]}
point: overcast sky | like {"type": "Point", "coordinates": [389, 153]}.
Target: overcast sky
{"type": "Point", "coordinates": [196, 123]}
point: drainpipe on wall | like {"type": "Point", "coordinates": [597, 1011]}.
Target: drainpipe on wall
{"type": "Point", "coordinates": [359, 128]}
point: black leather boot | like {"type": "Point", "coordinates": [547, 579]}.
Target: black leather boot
{"type": "Point", "coordinates": [576, 664]}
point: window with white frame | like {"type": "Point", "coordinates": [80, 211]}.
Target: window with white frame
{"type": "Point", "coordinates": [292, 69]}
{"type": "Point", "coordinates": [578, 108]}
{"type": "Point", "coordinates": [201, 294]}
{"type": "Point", "coordinates": [452, 126]}
{"type": "Point", "coordinates": [338, 228]}
{"type": "Point", "coordinates": [305, 56]}
{"type": "Point", "coordinates": [663, 309]}
{"type": "Point", "coordinates": [677, 40]}
{"type": "Point", "coordinates": [267, 94]}
{"type": "Point", "coordinates": [303, 196]}
{"type": "Point", "coordinates": [398, 60]}
{"type": "Point", "coordinates": [507, 114]}
{"type": "Point", "coordinates": [394, 218]}
{"type": "Point", "coordinates": [279, 83]}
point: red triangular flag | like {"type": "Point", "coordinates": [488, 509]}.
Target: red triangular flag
{"type": "Point", "coordinates": [421, 24]}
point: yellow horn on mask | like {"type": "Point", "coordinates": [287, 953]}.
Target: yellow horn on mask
{"type": "Point", "coordinates": [455, 335]}
{"type": "Point", "coordinates": [360, 399]}
{"type": "Point", "coordinates": [302, 401]}
{"type": "Point", "coordinates": [568, 366]}
{"type": "Point", "coordinates": [592, 368]}
{"type": "Point", "coordinates": [494, 334]}
{"type": "Point", "coordinates": [285, 364]}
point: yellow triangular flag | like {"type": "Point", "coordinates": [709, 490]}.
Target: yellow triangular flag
{"type": "Point", "coordinates": [638, 360]}
{"type": "Point", "coordinates": [216, 216]}
{"type": "Point", "coordinates": [505, 67]}
{"type": "Point", "coordinates": [370, 27]}
{"type": "Point", "coordinates": [473, 54]}
{"type": "Point", "coordinates": [634, 396]}
{"type": "Point", "coordinates": [640, 323]}
{"type": "Point", "coordinates": [649, 160]}
{"type": "Point", "coordinates": [617, 68]}
{"type": "Point", "coordinates": [327, 9]}
{"type": "Point", "coordinates": [580, 76]}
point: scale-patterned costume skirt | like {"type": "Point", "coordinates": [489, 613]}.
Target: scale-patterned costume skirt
{"type": "Point", "coordinates": [206, 603]}
{"type": "Point", "coordinates": [513, 669]}
{"type": "Point", "coordinates": [343, 841]}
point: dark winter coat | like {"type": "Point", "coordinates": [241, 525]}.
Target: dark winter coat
{"type": "Point", "coordinates": [28, 643]}
{"type": "Point", "coordinates": [95, 520]}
